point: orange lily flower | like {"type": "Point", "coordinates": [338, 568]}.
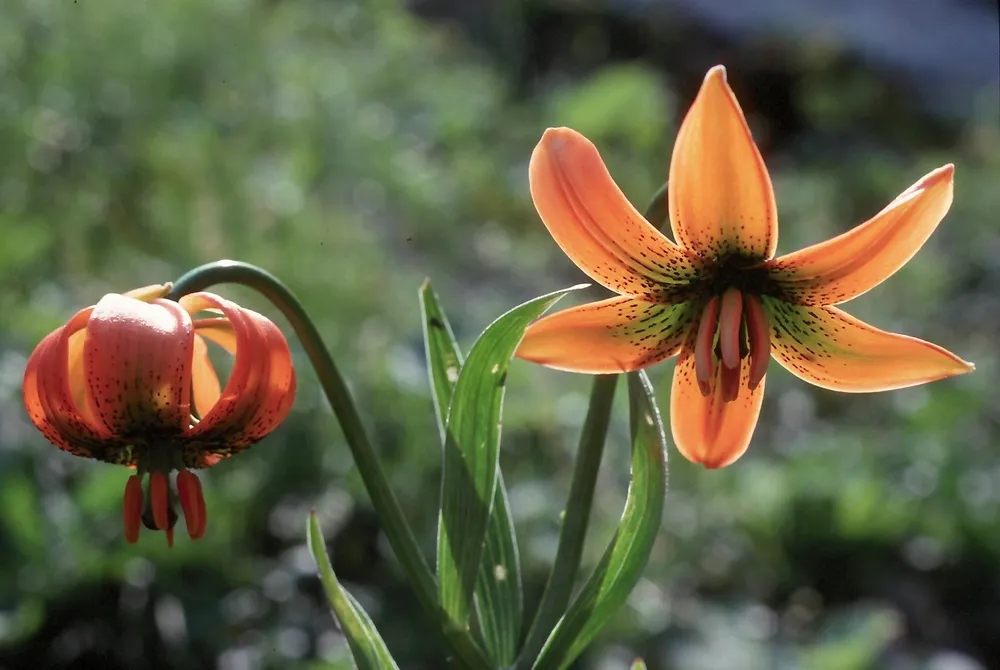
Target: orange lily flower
{"type": "Point", "coordinates": [129, 381]}
{"type": "Point", "coordinates": [717, 297]}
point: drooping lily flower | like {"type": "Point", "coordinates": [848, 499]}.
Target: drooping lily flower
{"type": "Point", "coordinates": [717, 297]}
{"type": "Point", "coordinates": [129, 381]}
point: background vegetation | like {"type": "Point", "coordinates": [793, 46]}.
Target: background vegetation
{"type": "Point", "coordinates": [353, 148]}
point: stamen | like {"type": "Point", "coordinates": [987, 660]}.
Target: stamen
{"type": "Point", "coordinates": [759, 336]}
{"type": "Point", "coordinates": [170, 538]}
{"type": "Point", "coordinates": [704, 356]}
{"type": "Point", "coordinates": [192, 503]}
{"type": "Point", "coordinates": [159, 500]}
{"type": "Point", "coordinates": [729, 383]}
{"type": "Point", "coordinates": [132, 508]}
{"type": "Point", "coordinates": [731, 314]}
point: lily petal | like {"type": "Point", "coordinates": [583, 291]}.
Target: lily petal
{"type": "Point", "coordinates": [205, 388]}
{"type": "Point", "coordinates": [260, 390]}
{"type": "Point", "coordinates": [615, 335]}
{"type": "Point", "coordinates": [721, 200]}
{"type": "Point", "coordinates": [706, 429]}
{"type": "Point", "coordinates": [830, 348]}
{"type": "Point", "coordinates": [49, 396]}
{"type": "Point", "coordinates": [596, 226]}
{"type": "Point", "coordinates": [850, 264]}
{"type": "Point", "coordinates": [137, 361]}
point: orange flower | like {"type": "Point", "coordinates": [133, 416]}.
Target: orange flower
{"type": "Point", "coordinates": [717, 297]}
{"type": "Point", "coordinates": [129, 381]}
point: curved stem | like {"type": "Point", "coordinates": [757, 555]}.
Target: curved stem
{"type": "Point", "coordinates": [401, 537]}
{"type": "Point", "coordinates": [573, 532]}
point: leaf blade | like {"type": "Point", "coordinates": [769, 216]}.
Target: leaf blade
{"type": "Point", "coordinates": [626, 556]}
{"type": "Point", "coordinates": [471, 456]}
{"type": "Point", "coordinates": [367, 647]}
{"type": "Point", "coordinates": [498, 596]}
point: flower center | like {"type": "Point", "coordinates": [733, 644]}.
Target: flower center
{"type": "Point", "coordinates": [156, 510]}
{"type": "Point", "coordinates": [733, 328]}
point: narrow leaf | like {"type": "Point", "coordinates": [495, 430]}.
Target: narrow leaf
{"type": "Point", "coordinates": [624, 560]}
{"type": "Point", "coordinates": [367, 647]}
{"type": "Point", "coordinates": [498, 586]}
{"type": "Point", "coordinates": [471, 451]}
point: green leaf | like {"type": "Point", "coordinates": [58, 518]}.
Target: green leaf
{"type": "Point", "coordinates": [638, 664]}
{"type": "Point", "coordinates": [472, 448]}
{"type": "Point", "coordinates": [367, 647]}
{"type": "Point", "coordinates": [623, 562]}
{"type": "Point", "coordinates": [499, 604]}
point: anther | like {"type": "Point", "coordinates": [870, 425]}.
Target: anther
{"type": "Point", "coordinates": [132, 508]}
{"type": "Point", "coordinates": [704, 346]}
{"type": "Point", "coordinates": [730, 316]}
{"type": "Point", "coordinates": [192, 503]}
{"type": "Point", "coordinates": [759, 338]}
{"type": "Point", "coordinates": [159, 500]}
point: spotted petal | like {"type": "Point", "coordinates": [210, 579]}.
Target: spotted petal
{"type": "Point", "coordinates": [706, 429]}
{"type": "Point", "coordinates": [595, 225]}
{"type": "Point", "coordinates": [830, 348]}
{"type": "Point", "coordinates": [720, 200]}
{"type": "Point", "coordinates": [850, 264]}
{"type": "Point", "coordinates": [260, 390]}
{"type": "Point", "coordinates": [137, 361]}
{"type": "Point", "coordinates": [616, 335]}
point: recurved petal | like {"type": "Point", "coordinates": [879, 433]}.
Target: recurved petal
{"type": "Point", "coordinates": [850, 264]}
{"type": "Point", "coordinates": [49, 396]}
{"type": "Point", "coordinates": [205, 388]}
{"type": "Point", "coordinates": [137, 362]}
{"type": "Point", "coordinates": [595, 225]}
{"type": "Point", "coordinates": [830, 348]}
{"type": "Point", "coordinates": [706, 429]}
{"type": "Point", "coordinates": [721, 200]}
{"type": "Point", "coordinates": [615, 335]}
{"type": "Point", "coordinates": [260, 390]}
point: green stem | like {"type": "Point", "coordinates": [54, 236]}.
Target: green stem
{"type": "Point", "coordinates": [572, 534]}
{"type": "Point", "coordinates": [569, 551]}
{"type": "Point", "coordinates": [401, 537]}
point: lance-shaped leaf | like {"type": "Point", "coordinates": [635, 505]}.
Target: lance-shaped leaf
{"type": "Point", "coordinates": [367, 647]}
{"type": "Point", "coordinates": [623, 562]}
{"type": "Point", "coordinates": [499, 604]}
{"type": "Point", "coordinates": [471, 451]}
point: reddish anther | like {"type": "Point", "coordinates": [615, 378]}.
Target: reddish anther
{"type": "Point", "coordinates": [704, 347]}
{"type": "Point", "coordinates": [192, 503]}
{"type": "Point", "coordinates": [759, 336]}
{"type": "Point", "coordinates": [132, 508]}
{"type": "Point", "coordinates": [159, 500]}
{"type": "Point", "coordinates": [730, 317]}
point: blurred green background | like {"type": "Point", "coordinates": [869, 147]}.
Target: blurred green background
{"type": "Point", "coordinates": [354, 147]}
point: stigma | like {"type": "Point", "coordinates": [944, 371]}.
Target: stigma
{"type": "Point", "coordinates": [155, 507]}
{"type": "Point", "coordinates": [733, 328]}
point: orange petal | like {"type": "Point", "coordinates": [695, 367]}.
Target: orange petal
{"type": "Point", "coordinates": [217, 330]}
{"type": "Point", "coordinates": [595, 225]}
{"type": "Point", "coordinates": [49, 395]}
{"type": "Point", "coordinates": [137, 360]}
{"type": "Point", "coordinates": [850, 264]}
{"type": "Point", "coordinates": [720, 200]}
{"type": "Point", "coordinates": [828, 347]}
{"type": "Point", "coordinates": [706, 429]}
{"type": "Point", "coordinates": [615, 335]}
{"type": "Point", "coordinates": [205, 389]}
{"type": "Point", "coordinates": [260, 390]}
